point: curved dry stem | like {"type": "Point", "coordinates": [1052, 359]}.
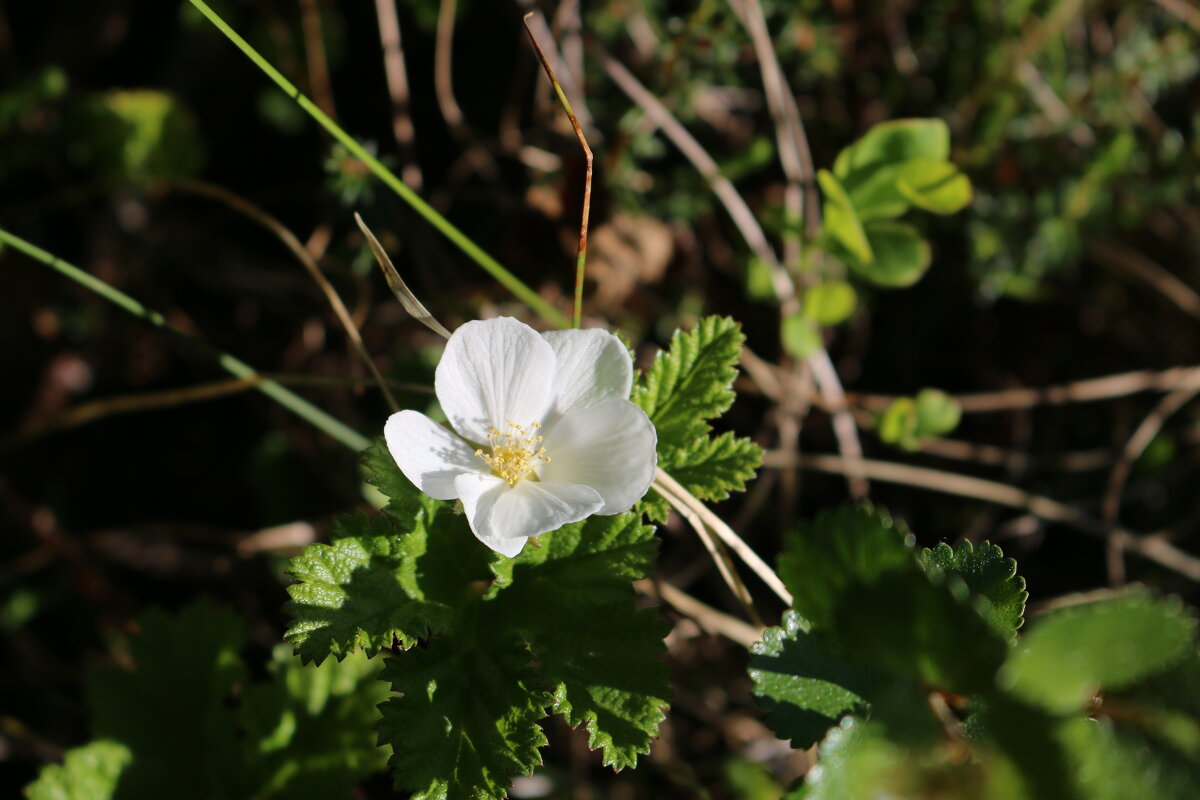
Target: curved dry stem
{"type": "Point", "coordinates": [253, 212]}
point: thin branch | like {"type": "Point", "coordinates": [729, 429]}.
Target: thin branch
{"type": "Point", "coordinates": [253, 212]}
{"type": "Point", "coordinates": [1110, 508]}
{"type": "Point", "coordinates": [727, 535]}
{"type": "Point", "coordinates": [581, 257]}
{"type": "Point", "coordinates": [707, 617]}
{"type": "Point", "coordinates": [1125, 259]}
{"type": "Point", "coordinates": [314, 48]}
{"type": "Point", "coordinates": [320, 419]}
{"type": "Point", "coordinates": [715, 550]}
{"type": "Point", "coordinates": [1153, 548]}
{"type": "Point", "coordinates": [397, 82]}
{"type": "Point", "coordinates": [443, 74]}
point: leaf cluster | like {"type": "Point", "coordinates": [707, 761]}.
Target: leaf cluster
{"type": "Point", "coordinates": [686, 387]}
{"type": "Point", "coordinates": [481, 652]}
{"type": "Point", "coordinates": [170, 726]}
{"type": "Point", "coordinates": [906, 667]}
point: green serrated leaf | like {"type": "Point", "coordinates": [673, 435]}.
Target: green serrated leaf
{"type": "Point", "coordinates": [372, 587]}
{"type": "Point", "coordinates": [690, 382]}
{"type": "Point", "coordinates": [988, 575]}
{"type": "Point", "coordinates": [805, 686]}
{"type": "Point", "coordinates": [839, 549]}
{"type": "Point", "coordinates": [309, 731]}
{"type": "Point", "coordinates": [189, 665]}
{"type": "Point", "coordinates": [713, 467]}
{"type": "Point", "coordinates": [1072, 653]}
{"type": "Point", "coordinates": [90, 772]}
{"type": "Point", "coordinates": [465, 719]}
{"type": "Point", "coordinates": [602, 655]}
{"type": "Point", "coordinates": [1110, 763]}
{"type": "Point", "coordinates": [841, 219]}
{"type": "Point", "coordinates": [853, 575]}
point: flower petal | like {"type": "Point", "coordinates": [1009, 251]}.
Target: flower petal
{"type": "Point", "coordinates": [429, 455]}
{"type": "Point", "coordinates": [493, 371]}
{"type": "Point", "coordinates": [609, 446]}
{"type": "Point", "coordinates": [504, 517]}
{"type": "Point", "coordinates": [591, 365]}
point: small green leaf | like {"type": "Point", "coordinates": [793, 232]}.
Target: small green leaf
{"type": "Point", "coordinates": [901, 255]}
{"type": "Point", "coordinates": [937, 413]}
{"type": "Point", "coordinates": [90, 772]}
{"type": "Point", "coordinates": [464, 719]}
{"type": "Point", "coordinates": [1070, 654]}
{"type": "Point", "coordinates": [934, 185]}
{"type": "Point", "coordinates": [715, 466]}
{"type": "Point", "coordinates": [800, 336]}
{"type": "Point", "coordinates": [841, 220]}
{"type": "Point", "coordinates": [893, 142]}
{"type": "Point", "coordinates": [1110, 763]}
{"type": "Point", "coordinates": [830, 303]}
{"type": "Point", "coordinates": [691, 382]}
{"type": "Point", "coordinates": [898, 424]}
{"type": "Point", "coordinates": [804, 686]}
{"type": "Point", "coordinates": [988, 575]}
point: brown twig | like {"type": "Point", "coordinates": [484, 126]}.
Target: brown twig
{"type": "Point", "coordinates": [1153, 548]}
{"type": "Point", "coordinates": [443, 75]}
{"type": "Point", "coordinates": [1110, 508]}
{"type": "Point", "coordinates": [707, 617]}
{"type": "Point", "coordinates": [1125, 259]}
{"type": "Point", "coordinates": [397, 82]}
{"type": "Point", "coordinates": [253, 212]}
{"type": "Point", "coordinates": [581, 255]}
{"type": "Point", "coordinates": [318, 65]}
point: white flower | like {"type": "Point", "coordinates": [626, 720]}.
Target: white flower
{"type": "Point", "coordinates": [544, 433]}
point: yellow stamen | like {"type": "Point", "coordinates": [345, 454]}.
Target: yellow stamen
{"type": "Point", "coordinates": [515, 452]}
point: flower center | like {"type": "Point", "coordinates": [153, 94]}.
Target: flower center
{"type": "Point", "coordinates": [515, 451]}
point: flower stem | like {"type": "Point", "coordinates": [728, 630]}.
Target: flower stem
{"type": "Point", "coordinates": [293, 402]}
{"type": "Point", "coordinates": [447, 229]}
{"type": "Point", "coordinates": [581, 258]}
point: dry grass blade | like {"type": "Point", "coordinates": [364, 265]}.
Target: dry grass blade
{"type": "Point", "coordinates": [708, 618]}
{"type": "Point", "coordinates": [399, 288]}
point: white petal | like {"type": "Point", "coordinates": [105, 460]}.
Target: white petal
{"type": "Point", "coordinates": [504, 517]}
{"type": "Point", "coordinates": [591, 365]}
{"type": "Point", "coordinates": [493, 371]}
{"type": "Point", "coordinates": [429, 455]}
{"type": "Point", "coordinates": [609, 446]}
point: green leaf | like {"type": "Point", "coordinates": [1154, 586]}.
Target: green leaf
{"type": "Point", "coordinates": [901, 255]}
{"type": "Point", "coordinates": [1114, 764]}
{"type": "Point", "coordinates": [830, 303]}
{"type": "Point", "coordinates": [713, 467]}
{"type": "Point", "coordinates": [837, 551]}
{"type": "Point", "coordinates": [804, 686]}
{"type": "Point", "coordinates": [601, 655]}
{"type": "Point", "coordinates": [898, 424]}
{"type": "Point", "coordinates": [893, 142]}
{"type": "Point", "coordinates": [1070, 654]}
{"type": "Point", "coordinates": [853, 575]}
{"type": "Point", "coordinates": [691, 382]}
{"type": "Point", "coordinates": [934, 185]}
{"type": "Point", "coordinates": [309, 731]}
{"type": "Point", "coordinates": [988, 575]}
{"type": "Point", "coordinates": [937, 413]}
{"type": "Point", "coordinates": [841, 219]}
{"type": "Point", "coordinates": [800, 336]}
{"type": "Point", "coordinates": [187, 665]}
{"type": "Point", "coordinates": [90, 772]}
{"type": "Point", "coordinates": [372, 587]}
{"type": "Point", "coordinates": [465, 719]}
